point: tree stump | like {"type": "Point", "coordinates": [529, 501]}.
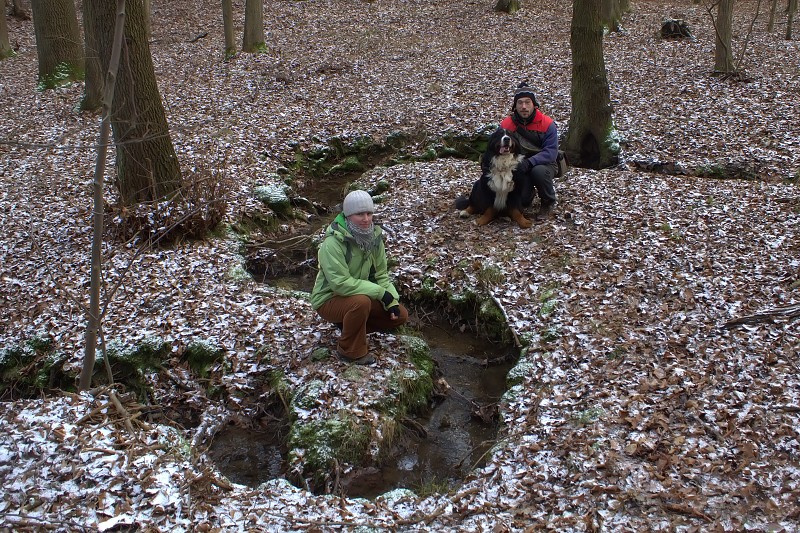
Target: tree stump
{"type": "Point", "coordinates": [675, 29]}
{"type": "Point", "coordinates": [507, 6]}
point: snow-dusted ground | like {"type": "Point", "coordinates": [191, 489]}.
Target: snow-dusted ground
{"type": "Point", "coordinates": [643, 406]}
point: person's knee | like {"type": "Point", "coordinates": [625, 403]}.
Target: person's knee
{"type": "Point", "coordinates": [542, 174]}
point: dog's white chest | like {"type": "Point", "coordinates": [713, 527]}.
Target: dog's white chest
{"type": "Point", "coordinates": [502, 172]}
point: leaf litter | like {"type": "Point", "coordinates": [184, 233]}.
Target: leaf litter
{"type": "Point", "coordinates": [661, 387]}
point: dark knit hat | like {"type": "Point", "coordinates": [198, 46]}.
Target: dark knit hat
{"type": "Point", "coordinates": [358, 202]}
{"type": "Point", "coordinates": [524, 90]}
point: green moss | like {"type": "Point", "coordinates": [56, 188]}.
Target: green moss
{"type": "Point", "coordinates": [350, 164]}
{"type": "Point", "coordinates": [419, 353]}
{"type": "Point", "coordinates": [202, 355]}
{"type": "Point", "coordinates": [308, 396]}
{"type": "Point", "coordinates": [280, 386]}
{"type": "Point", "coordinates": [33, 366]}
{"type": "Point", "coordinates": [517, 374]}
{"type": "Point", "coordinates": [315, 444]}
{"type": "Point", "coordinates": [321, 354]}
{"type": "Point", "coordinates": [64, 74]}
{"type": "Point", "coordinates": [276, 197]}
{"type": "Point", "coordinates": [130, 362]}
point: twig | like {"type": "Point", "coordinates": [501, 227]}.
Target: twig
{"type": "Point", "coordinates": [789, 312]}
{"type": "Point", "coordinates": [430, 517]}
{"type": "Point", "coordinates": [126, 417]}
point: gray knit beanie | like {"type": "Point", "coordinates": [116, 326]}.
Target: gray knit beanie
{"type": "Point", "coordinates": [524, 90]}
{"type": "Point", "coordinates": [358, 202]}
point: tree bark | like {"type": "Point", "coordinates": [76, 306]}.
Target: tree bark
{"type": "Point", "coordinates": [18, 10]}
{"type": "Point", "coordinates": [611, 13]}
{"type": "Point", "coordinates": [253, 40]}
{"type": "Point", "coordinates": [227, 22]}
{"type": "Point", "coordinates": [723, 55]}
{"type": "Point", "coordinates": [147, 166]}
{"type": "Point", "coordinates": [57, 42]}
{"type": "Point", "coordinates": [148, 11]}
{"type": "Point", "coordinates": [93, 88]}
{"type": "Point", "coordinates": [772, 8]}
{"type": "Point", "coordinates": [591, 138]}
{"type": "Point", "coordinates": [5, 44]}
{"type": "Point", "coordinates": [791, 9]}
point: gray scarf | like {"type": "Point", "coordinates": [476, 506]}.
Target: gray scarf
{"type": "Point", "coordinates": [365, 238]}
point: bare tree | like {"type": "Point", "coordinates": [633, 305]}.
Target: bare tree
{"type": "Point", "coordinates": [147, 166]}
{"type": "Point", "coordinates": [590, 141]}
{"type": "Point", "coordinates": [253, 40]}
{"type": "Point", "coordinates": [93, 87]}
{"type": "Point", "coordinates": [57, 42]}
{"type": "Point", "coordinates": [5, 44]}
{"type": "Point", "coordinates": [791, 9]}
{"type": "Point", "coordinates": [93, 323]}
{"type": "Point", "coordinates": [611, 12]}
{"type": "Point", "coordinates": [772, 8]}
{"type": "Point", "coordinates": [723, 55]}
{"type": "Point", "coordinates": [227, 22]}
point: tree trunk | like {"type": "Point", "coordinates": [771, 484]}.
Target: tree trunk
{"type": "Point", "coordinates": [772, 8]}
{"type": "Point", "coordinates": [5, 44]}
{"type": "Point", "coordinates": [147, 167]}
{"type": "Point", "coordinates": [93, 88]}
{"type": "Point", "coordinates": [253, 40]}
{"type": "Point", "coordinates": [591, 139]}
{"type": "Point", "coordinates": [57, 42]}
{"type": "Point", "coordinates": [18, 10]}
{"type": "Point", "coordinates": [227, 22]}
{"type": "Point", "coordinates": [723, 55]}
{"type": "Point", "coordinates": [148, 11]}
{"type": "Point", "coordinates": [94, 319]}
{"type": "Point", "coordinates": [611, 13]}
{"type": "Point", "coordinates": [791, 9]}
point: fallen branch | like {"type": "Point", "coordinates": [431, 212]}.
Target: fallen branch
{"type": "Point", "coordinates": [508, 321]}
{"type": "Point", "coordinates": [126, 417]}
{"type": "Point", "coordinates": [770, 315]}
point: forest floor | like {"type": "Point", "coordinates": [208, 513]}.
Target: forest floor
{"type": "Point", "coordinates": [662, 311]}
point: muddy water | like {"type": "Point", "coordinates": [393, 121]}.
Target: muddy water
{"type": "Point", "coordinates": [436, 454]}
{"type": "Point", "coordinates": [249, 456]}
{"type": "Point", "coordinates": [456, 440]}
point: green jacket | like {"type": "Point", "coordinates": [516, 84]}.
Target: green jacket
{"type": "Point", "coordinates": [346, 270]}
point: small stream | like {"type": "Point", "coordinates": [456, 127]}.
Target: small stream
{"type": "Point", "coordinates": [454, 440]}
{"type": "Point", "coordinates": [457, 440]}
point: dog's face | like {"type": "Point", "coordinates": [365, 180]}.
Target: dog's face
{"type": "Point", "coordinates": [501, 142]}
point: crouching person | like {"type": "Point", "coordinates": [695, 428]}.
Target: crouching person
{"type": "Point", "coordinates": [353, 289]}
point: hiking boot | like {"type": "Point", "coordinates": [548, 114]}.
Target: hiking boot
{"type": "Point", "coordinates": [546, 209]}
{"type": "Point", "coordinates": [365, 360]}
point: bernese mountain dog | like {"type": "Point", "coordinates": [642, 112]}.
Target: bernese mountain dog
{"type": "Point", "coordinates": [494, 194]}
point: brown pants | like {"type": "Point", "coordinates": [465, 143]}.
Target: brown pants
{"type": "Point", "coordinates": [358, 316]}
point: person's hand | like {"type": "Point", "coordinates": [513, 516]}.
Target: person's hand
{"type": "Point", "coordinates": [394, 312]}
{"type": "Point", "coordinates": [387, 298]}
{"type": "Point", "coordinates": [524, 166]}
